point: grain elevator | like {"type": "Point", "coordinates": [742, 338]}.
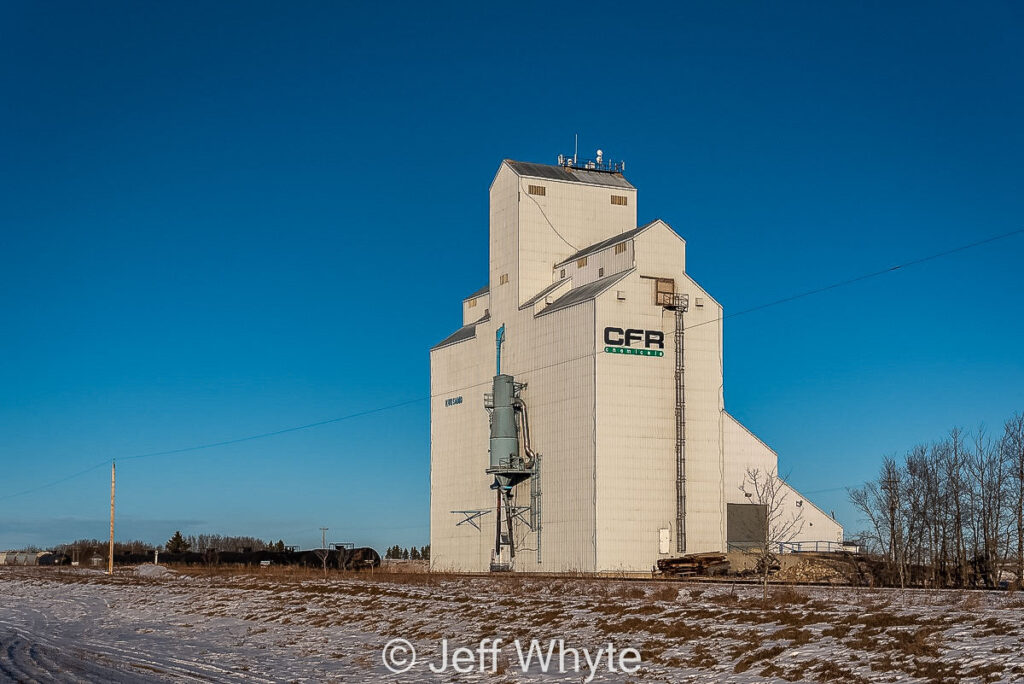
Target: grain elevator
{"type": "Point", "coordinates": [577, 418]}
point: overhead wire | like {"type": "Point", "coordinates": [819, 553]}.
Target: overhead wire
{"type": "Point", "coordinates": [211, 445]}
{"type": "Point", "coordinates": [550, 224]}
{"type": "Point", "coordinates": [306, 426]}
{"type": "Point", "coordinates": [860, 278]}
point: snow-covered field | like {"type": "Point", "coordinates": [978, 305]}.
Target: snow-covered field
{"type": "Point", "coordinates": [149, 624]}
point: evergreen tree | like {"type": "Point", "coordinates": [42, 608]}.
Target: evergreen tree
{"type": "Point", "coordinates": [177, 543]}
{"type": "Point", "coordinates": [414, 553]}
{"type": "Point", "coordinates": [405, 554]}
{"type": "Point", "coordinates": [425, 552]}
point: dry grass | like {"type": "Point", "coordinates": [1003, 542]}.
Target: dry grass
{"type": "Point", "coordinates": [702, 657]}
{"type": "Point", "coordinates": [971, 601]}
{"type": "Point", "coordinates": [874, 634]}
{"type": "Point", "coordinates": [830, 671]}
{"type": "Point", "coordinates": [921, 642]}
{"type": "Point", "coordinates": [669, 593]}
{"type": "Point", "coordinates": [746, 662]}
{"type": "Point", "coordinates": [994, 627]}
{"type": "Point", "coordinates": [795, 635]}
{"type": "Point", "coordinates": [627, 591]}
{"type": "Point", "coordinates": [787, 596]}
{"type": "Point", "coordinates": [723, 599]}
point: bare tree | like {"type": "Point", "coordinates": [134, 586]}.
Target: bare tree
{"type": "Point", "coordinates": [949, 514]}
{"type": "Point", "coordinates": [868, 500]}
{"type": "Point", "coordinates": [1012, 447]}
{"type": "Point", "coordinates": [954, 464]}
{"type": "Point", "coordinates": [988, 492]}
{"type": "Point", "coordinates": [893, 490]}
{"type": "Point", "coordinates": [888, 506]}
{"type": "Point", "coordinates": [919, 500]}
{"type": "Point", "coordinates": [322, 553]}
{"type": "Point", "coordinates": [767, 489]}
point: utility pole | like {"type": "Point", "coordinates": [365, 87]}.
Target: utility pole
{"type": "Point", "coordinates": [323, 548]}
{"type": "Point", "coordinates": [110, 554]}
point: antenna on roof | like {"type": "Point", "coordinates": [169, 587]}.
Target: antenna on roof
{"type": "Point", "coordinates": [600, 163]}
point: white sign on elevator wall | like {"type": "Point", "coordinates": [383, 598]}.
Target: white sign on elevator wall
{"type": "Point", "coordinates": [664, 540]}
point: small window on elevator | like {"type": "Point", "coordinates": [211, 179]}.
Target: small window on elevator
{"type": "Point", "coordinates": [664, 291]}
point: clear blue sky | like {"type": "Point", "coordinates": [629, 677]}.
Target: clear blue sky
{"type": "Point", "coordinates": [223, 219]}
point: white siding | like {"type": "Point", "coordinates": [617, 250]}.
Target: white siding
{"type": "Point", "coordinates": [744, 450]}
{"type": "Point", "coordinates": [606, 259]}
{"type": "Point", "coordinates": [458, 449]}
{"type": "Point", "coordinates": [555, 357]}
{"type": "Point", "coordinates": [474, 308]}
{"type": "Point", "coordinates": [554, 226]}
{"type": "Point", "coordinates": [636, 470]}
{"type": "Point", "coordinates": [604, 423]}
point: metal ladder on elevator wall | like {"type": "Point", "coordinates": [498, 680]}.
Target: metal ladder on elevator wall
{"type": "Point", "coordinates": [680, 303]}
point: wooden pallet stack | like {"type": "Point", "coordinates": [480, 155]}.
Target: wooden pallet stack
{"type": "Point", "coordinates": [695, 564]}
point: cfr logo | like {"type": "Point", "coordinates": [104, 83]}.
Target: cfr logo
{"type": "Point", "coordinates": [628, 341]}
{"type": "Point", "coordinates": [617, 337]}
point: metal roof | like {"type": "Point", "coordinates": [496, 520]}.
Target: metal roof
{"type": "Point", "coordinates": [543, 293]}
{"type": "Point", "coordinates": [604, 244]}
{"type": "Point", "coordinates": [466, 332]}
{"type": "Point", "coordinates": [566, 173]}
{"type": "Point", "coordinates": [483, 290]}
{"type": "Point", "coordinates": [583, 293]}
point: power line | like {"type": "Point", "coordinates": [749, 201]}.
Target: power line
{"type": "Point", "coordinates": [263, 435]}
{"type": "Point", "coordinates": [56, 482]}
{"type": "Point", "coordinates": [832, 489]}
{"type": "Point", "coordinates": [212, 445]}
{"type": "Point", "coordinates": [785, 300]}
{"type": "Point", "coordinates": [860, 278]}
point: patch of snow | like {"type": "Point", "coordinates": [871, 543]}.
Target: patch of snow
{"type": "Point", "coordinates": [154, 571]}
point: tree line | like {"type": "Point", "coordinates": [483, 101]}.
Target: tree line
{"type": "Point", "coordinates": [951, 513]}
{"type": "Point", "coordinates": [200, 543]}
{"type": "Point", "coordinates": [396, 552]}
{"type": "Point", "coordinates": [178, 543]}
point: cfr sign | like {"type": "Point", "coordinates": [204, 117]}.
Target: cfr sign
{"type": "Point", "coordinates": [630, 337]}
{"type": "Point", "coordinates": [633, 341]}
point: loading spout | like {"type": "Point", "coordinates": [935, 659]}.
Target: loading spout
{"type": "Point", "coordinates": [530, 453]}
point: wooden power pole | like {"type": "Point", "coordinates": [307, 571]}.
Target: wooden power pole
{"type": "Point", "coordinates": [110, 555]}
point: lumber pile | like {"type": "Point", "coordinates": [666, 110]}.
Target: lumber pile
{"type": "Point", "coordinates": [695, 564]}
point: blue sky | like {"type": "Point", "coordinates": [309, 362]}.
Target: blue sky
{"type": "Point", "coordinates": [225, 219]}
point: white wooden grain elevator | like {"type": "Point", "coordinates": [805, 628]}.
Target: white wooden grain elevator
{"type": "Point", "coordinates": [632, 454]}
